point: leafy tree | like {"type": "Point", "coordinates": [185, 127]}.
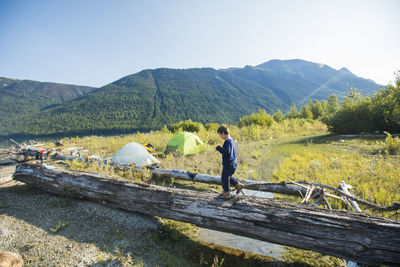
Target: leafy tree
{"type": "Point", "coordinates": [369, 114]}
{"type": "Point", "coordinates": [278, 116]}
{"type": "Point", "coordinates": [305, 112]}
{"type": "Point", "coordinates": [293, 112]}
{"type": "Point", "coordinates": [386, 104]}
{"type": "Point", "coordinates": [333, 104]}
{"type": "Point", "coordinates": [353, 117]}
{"type": "Point", "coordinates": [317, 109]}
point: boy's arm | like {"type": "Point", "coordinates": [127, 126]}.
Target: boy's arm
{"type": "Point", "coordinates": [225, 149]}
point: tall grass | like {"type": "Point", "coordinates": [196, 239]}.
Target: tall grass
{"type": "Point", "coordinates": [374, 178]}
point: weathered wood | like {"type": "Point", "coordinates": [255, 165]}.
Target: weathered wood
{"type": "Point", "coordinates": [394, 207]}
{"type": "Point", "coordinates": [344, 187]}
{"type": "Point", "coordinates": [358, 237]}
{"type": "Point", "coordinates": [280, 188]}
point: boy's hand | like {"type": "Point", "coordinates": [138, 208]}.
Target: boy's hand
{"type": "Point", "coordinates": [218, 148]}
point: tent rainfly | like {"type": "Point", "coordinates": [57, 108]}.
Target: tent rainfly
{"type": "Point", "coordinates": [185, 143]}
{"type": "Point", "coordinates": [134, 153]}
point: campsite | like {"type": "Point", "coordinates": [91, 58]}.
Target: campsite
{"type": "Point", "coordinates": [199, 133]}
{"type": "Point", "coordinates": [265, 154]}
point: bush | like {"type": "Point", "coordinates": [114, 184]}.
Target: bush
{"type": "Point", "coordinates": [186, 126]}
{"type": "Point", "coordinates": [392, 144]}
{"type": "Point", "coordinates": [278, 116]}
{"type": "Point", "coordinates": [260, 118]}
{"type": "Point", "coordinates": [212, 126]}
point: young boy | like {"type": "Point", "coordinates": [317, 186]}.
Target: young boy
{"type": "Point", "coordinates": [228, 151]}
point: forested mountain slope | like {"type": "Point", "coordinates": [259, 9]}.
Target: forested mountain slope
{"type": "Point", "coordinates": [19, 96]}
{"type": "Point", "coordinates": [151, 99]}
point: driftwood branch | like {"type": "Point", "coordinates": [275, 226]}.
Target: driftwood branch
{"type": "Point", "coordinates": [395, 206]}
{"type": "Point", "coordinates": [358, 237]}
{"type": "Point", "coordinates": [344, 187]}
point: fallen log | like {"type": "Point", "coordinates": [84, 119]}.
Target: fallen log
{"type": "Point", "coordinates": [362, 238]}
{"type": "Point", "coordinates": [280, 188]}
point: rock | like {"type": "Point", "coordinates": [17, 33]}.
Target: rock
{"type": "Point", "coordinates": [9, 259]}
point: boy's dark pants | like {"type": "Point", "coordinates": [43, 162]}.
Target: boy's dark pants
{"type": "Point", "coordinates": [227, 178]}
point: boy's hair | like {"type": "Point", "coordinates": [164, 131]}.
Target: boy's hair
{"type": "Point", "coordinates": [223, 130]}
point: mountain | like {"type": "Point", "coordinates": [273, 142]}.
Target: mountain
{"type": "Point", "coordinates": [153, 98]}
{"type": "Point", "coordinates": [20, 100]}
{"type": "Point", "coordinates": [25, 96]}
{"type": "Point", "coordinates": [296, 81]}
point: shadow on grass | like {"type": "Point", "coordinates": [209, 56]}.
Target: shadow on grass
{"type": "Point", "coordinates": [126, 237]}
{"type": "Point", "coordinates": [313, 139]}
{"type": "Point", "coordinates": [333, 138]}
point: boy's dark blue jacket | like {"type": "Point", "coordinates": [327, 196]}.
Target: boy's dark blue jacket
{"type": "Point", "coordinates": [228, 151]}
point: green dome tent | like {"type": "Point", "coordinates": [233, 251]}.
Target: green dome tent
{"type": "Point", "coordinates": [185, 143]}
{"type": "Point", "coordinates": [135, 153]}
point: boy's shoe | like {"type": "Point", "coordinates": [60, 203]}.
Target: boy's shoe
{"type": "Point", "coordinates": [224, 194]}
{"type": "Point", "coordinates": [239, 187]}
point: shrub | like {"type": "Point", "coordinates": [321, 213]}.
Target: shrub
{"type": "Point", "coordinates": [260, 118]}
{"type": "Point", "coordinates": [278, 116]}
{"type": "Point", "coordinates": [186, 126]}
{"type": "Point", "coordinates": [392, 144]}
{"type": "Point", "coordinates": [212, 127]}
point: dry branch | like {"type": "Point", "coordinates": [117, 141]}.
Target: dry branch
{"type": "Point", "coordinates": [394, 207]}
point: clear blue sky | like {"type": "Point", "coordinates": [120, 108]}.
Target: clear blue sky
{"type": "Point", "coordinates": [95, 42]}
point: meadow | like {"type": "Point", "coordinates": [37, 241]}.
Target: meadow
{"type": "Point", "coordinates": [296, 149]}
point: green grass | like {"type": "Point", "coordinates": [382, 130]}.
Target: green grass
{"type": "Point", "coordinates": [291, 150]}
{"type": "Point", "coordinates": [60, 225]}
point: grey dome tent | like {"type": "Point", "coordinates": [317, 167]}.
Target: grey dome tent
{"type": "Point", "coordinates": [134, 153]}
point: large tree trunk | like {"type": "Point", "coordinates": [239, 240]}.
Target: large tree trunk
{"type": "Point", "coordinates": [357, 237]}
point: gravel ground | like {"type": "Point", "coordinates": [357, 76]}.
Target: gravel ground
{"type": "Point", "coordinates": [90, 234]}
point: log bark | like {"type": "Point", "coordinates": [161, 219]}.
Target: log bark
{"type": "Point", "coordinates": [357, 237]}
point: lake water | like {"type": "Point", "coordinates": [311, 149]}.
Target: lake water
{"type": "Point", "coordinates": [240, 242]}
